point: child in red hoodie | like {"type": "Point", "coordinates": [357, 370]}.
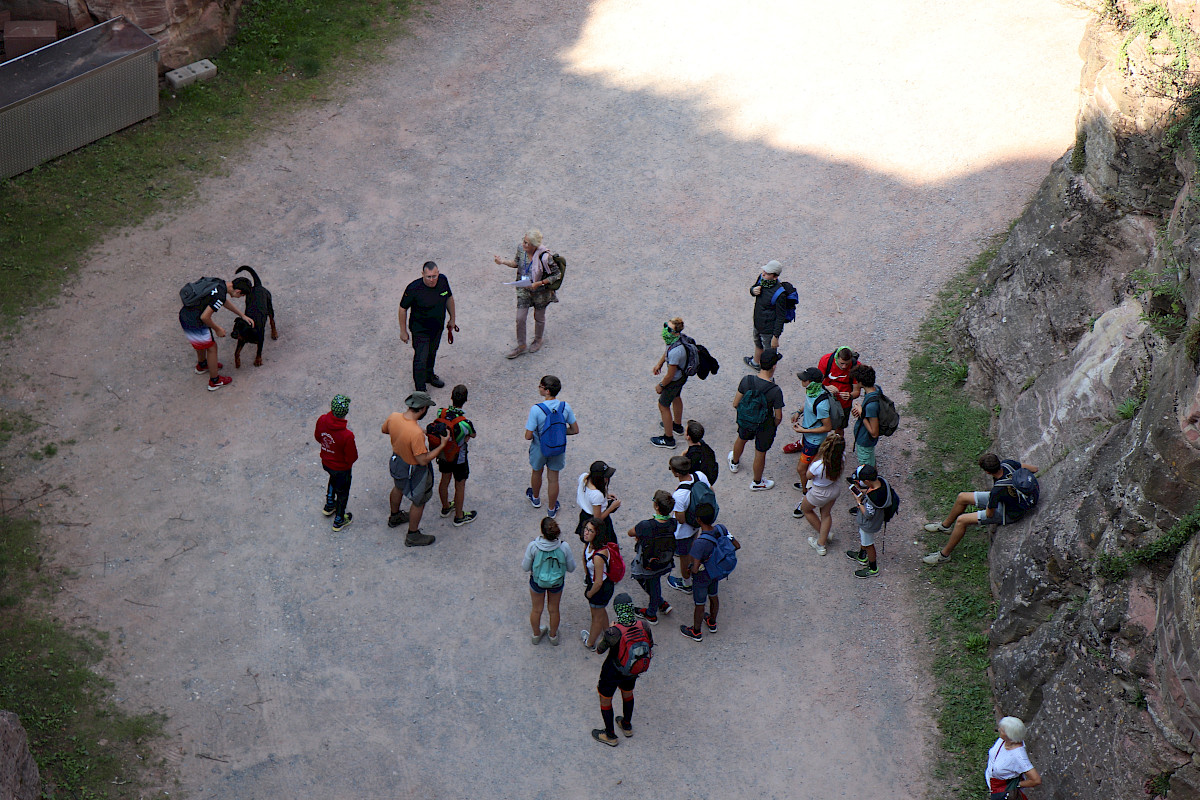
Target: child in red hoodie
{"type": "Point", "coordinates": [338, 455]}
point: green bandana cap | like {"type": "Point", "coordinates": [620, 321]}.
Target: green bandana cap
{"type": "Point", "coordinates": [340, 406]}
{"type": "Point", "coordinates": [623, 608]}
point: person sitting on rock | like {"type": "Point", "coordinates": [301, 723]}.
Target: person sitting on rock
{"type": "Point", "coordinates": [1002, 505]}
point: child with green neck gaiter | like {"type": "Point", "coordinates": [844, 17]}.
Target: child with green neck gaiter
{"type": "Point", "coordinates": [813, 421]}
{"type": "Point", "coordinates": [670, 404]}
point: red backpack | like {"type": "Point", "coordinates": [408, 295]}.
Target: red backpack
{"type": "Point", "coordinates": [616, 564]}
{"type": "Point", "coordinates": [450, 451]}
{"type": "Point", "coordinates": [634, 651]}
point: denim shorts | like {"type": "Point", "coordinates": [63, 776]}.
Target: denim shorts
{"type": "Point", "coordinates": [702, 590]}
{"type": "Point", "coordinates": [533, 587]}
{"type": "Point", "coordinates": [684, 546]}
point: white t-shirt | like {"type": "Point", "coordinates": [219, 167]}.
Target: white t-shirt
{"type": "Point", "coordinates": [1006, 764]}
{"type": "Point", "coordinates": [817, 468]}
{"type": "Point", "coordinates": [588, 498]}
{"type": "Point", "coordinates": [683, 496]}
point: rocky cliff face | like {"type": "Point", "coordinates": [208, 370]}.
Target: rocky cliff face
{"type": "Point", "coordinates": [1097, 380]}
{"type": "Point", "coordinates": [188, 29]}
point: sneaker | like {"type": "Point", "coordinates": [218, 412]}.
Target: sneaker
{"type": "Point", "coordinates": [626, 730]}
{"type": "Point", "coordinates": [553, 640]}
{"type": "Point", "coordinates": [812, 542]}
{"type": "Point", "coordinates": [677, 583]}
{"type": "Point", "coordinates": [710, 623]}
{"type": "Point", "coordinates": [642, 613]}
{"type": "Point", "coordinates": [857, 555]}
{"type": "Point", "coordinates": [552, 513]}
{"type": "Point", "coordinates": [853, 511]}
{"type": "Point", "coordinates": [397, 519]}
{"type": "Point", "coordinates": [749, 362]}
{"type": "Point", "coordinates": [328, 510]}
{"type": "Point", "coordinates": [337, 526]}
{"type": "Point", "coordinates": [202, 367]}
{"type": "Point", "coordinates": [798, 485]}
{"type": "Point", "coordinates": [936, 527]}
{"type": "Point", "coordinates": [435, 381]}
{"type": "Point", "coordinates": [519, 350]}
{"type": "Point", "coordinates": [793, 447]}
{"type": "Point", "coordinates": [733, 465]}
{"type": "Point", "coordinates": [536, 502]}
{"type": "Point", "coordinates": [448, 510]}
{"type": "Point", "coordinates": [798, 512]}
{"type": "Point", "coordinates": [218, 382]}
{"type": "Point", "coordinates": [536, 638]}
{"type": "Point", "coordinates": [583, 635]}
{"type": "Point", "coordinates": [465, 519]}
{"type": "Point", "coordinates": [601, 736]}
{"type": "Point", "coordinates": [933, 559]}
{"type": "Point", "coordinates": [663, 441]}
{"type": "Point", "coordinates": [691, 633]}
{"type": "Point", "coordinates": [867, 572]}
{"type": "Point", "coordinates": [418, 539]}
{"type": "Point", "coordinates": [761, 486]}
{"type": "Point", "coordinates": [664, 607]}
{"type": "Point", "coordinates": [675, 426]}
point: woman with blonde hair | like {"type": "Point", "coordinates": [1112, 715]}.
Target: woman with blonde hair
{"type": "Point", "coordinates": [670, 404]}
{"type": "Point", "coordinates": [1008, 762]}
{"type": "Point", "coordinates": [822, 479]}
{"type": "Point", "coordinates": [533, 263]}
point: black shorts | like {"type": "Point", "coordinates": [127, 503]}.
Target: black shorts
{"type": "Point", "coordinates": [460, 471]}
{"type": "Point", "coordinates": [611, 679]}
{"type": "Point", "coordinates": [763, 438]}
{"type": "Point", "coordinates": [670, 392]}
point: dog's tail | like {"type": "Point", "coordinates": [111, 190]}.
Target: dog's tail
{"type": "Point", "coordinates": [253, 274]}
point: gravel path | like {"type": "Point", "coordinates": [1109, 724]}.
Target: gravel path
{"type": "Point", "coordinates": [668, 150]}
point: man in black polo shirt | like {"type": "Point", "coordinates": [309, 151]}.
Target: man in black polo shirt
{"type": "Point", "coordinates": [422, 310]}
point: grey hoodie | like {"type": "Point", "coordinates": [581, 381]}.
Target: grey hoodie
{"type": "Point", "coordinates": [545, 544]}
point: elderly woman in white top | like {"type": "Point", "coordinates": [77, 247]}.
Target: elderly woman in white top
{"type": "Point", "coordinates": [533, 262]}
{"type": "Point", "coordinates": [1007, 760]}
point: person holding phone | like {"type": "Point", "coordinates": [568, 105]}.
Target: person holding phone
{"type": "Point", "coordinates": [873, 497]}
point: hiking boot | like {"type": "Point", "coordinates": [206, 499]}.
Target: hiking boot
{"type": "Point", "coordinates": [815, 545]}
{"type": "Point", "coordinates": [936, 527]}
{"type": "Point", "coordinates": [749, 362]}
{"type": "Point", "coordinates": [218, 382]}
{"type": "Point", "coordinates": [798, 512]}
{"type": "Point", "coordinates": [677, 583]}
{"type": "Point", "coordinates": [733, 465]}
{"type": "Point", "coordinates": [691, 633]}
{"type": "Point", "coordinates": [857, 555]}
{"type": "Point", "coordinates": [397, 519]}
{"type": "Point", "coordinates": [643, 613]}
{"type": "Point", "coordinates": [418, 539]}
{"type": "Point", "coordinates": [435, 381]}
{"type": "Point", "coordinates": [448, 510]}
{"type": "Point", "coordinates": [465, 519]}
{"type": "Point", "coordinates": [553, 512]}
{"type": "Point", "coordinates": [337, 526]}
{"type": "Point", "coordinates": [663, 441]}
{"type": "Point", "coordinates": [761, 486]}
{"type": "Point", "coordinates": [519, 350]}
{"type": "Point", "coordinates": [710, 622]}
{"type": "Point", "coordinates": [626, 730]}
{"type": "Point", "coordinates": [793, 447]}
{"type": "Point", "coordinates": [867, 572]}
{"type": "Point", "coordinates": [664, 607]}
{"type": "Point", "coordinates": [933, 559]}
{"type": "Point", "coordinates": [536, 502]}
{"type": "Point", "coordinates": [601, 736]}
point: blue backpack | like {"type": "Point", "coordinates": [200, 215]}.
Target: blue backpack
{"type": "Point", "coordinates": [791, 300]}
{"type": "Point", "coordinates": [552, 436]}
{"type": "Point", "coordinates": [723, 559]}
{"type": "Point", "coordinates": [549, 568]}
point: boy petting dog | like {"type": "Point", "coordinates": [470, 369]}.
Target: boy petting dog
{"type": "Point", "coordinates": [201, 299]}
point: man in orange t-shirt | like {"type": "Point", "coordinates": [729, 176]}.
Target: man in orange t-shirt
{"type": "Point", "coordinates": [411, 466]}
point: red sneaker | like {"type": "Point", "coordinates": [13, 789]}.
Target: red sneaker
{"type": "Point", "coordinates": [218, 382]}
{"type": "Point", "coordinates": [202, 369]}
{"type": "Point", "coordinates": [793, 447]}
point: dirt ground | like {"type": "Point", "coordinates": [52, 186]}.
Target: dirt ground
{"type": "Point", "coordinates": [667, 149]}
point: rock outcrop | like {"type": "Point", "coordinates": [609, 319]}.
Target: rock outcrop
{"type": "Point", "coordinates": [19, 777]}
{"type": "Point", "coordinates": [187, 29]}
{"type": "Point", "coordinates": [1083, 332]}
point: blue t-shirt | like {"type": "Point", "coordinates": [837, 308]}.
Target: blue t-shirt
{"type": "Point", "coordinates": [702, 547]}
{"type": "Point", "coordinates": [870, 410]}
{"type": "Point", "coordinates": [537, 418]}
{"type": "Point", "coordinates": [813, 414]}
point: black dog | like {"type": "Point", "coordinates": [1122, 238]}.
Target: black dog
{"type": "Point", "coordinates": [258, 308]}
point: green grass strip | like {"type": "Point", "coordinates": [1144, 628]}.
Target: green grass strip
{"type": "Point", "coordinates": [279, 60]}
{"type": "Point", "coordinates": [954, 432]}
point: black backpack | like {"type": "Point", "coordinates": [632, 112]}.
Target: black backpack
{"type": "Point", "coordinates": [658, 552]}
{"type": "Point", "coordinates": [706, 463]}
{"type": "Point", "coordinates": [195, 293]}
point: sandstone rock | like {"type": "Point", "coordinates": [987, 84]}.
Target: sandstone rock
{"type": "Point", "coordinates": [19, 778]}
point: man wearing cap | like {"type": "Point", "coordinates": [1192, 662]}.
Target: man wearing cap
{"type": "Point", "coordinates": [813, 422]}
{"type": "Point", "coordinates": [759, 406]}
{"type": "Point", "coordinates": [411, 466]}
{"type": "Point", "coordinates": [338, 455]}
{"type": "Point", "coordinates": [423, 308]}
{"type": "Point", "coordinates": [769, 312]}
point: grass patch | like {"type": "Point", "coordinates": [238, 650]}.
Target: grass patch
{"type": "Point", "coordinates": [955, 433]}
{"type": "Point", "coordinates": [277, 61]}
{"type": "Point", "coordinates": [1129, 407]}
{"type": "Point", "coordinates": [84, 745]}
{"type": "Point", "coordinates": [1115, 566]}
